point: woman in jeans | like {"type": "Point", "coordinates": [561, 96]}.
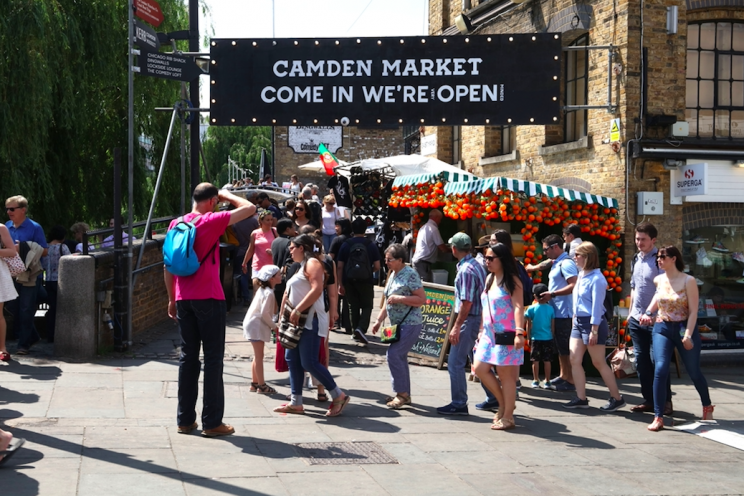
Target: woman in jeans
{"type": "Point", "coordinates": [590, 330]}
{"type": "Point", "coordinates": [304, 293]}
{"type": "Point", "coordinates": [404, 295]}
{"type": "Point", "coordinates": [330, 215]}
{"type": "Point", "coordinates": [676, 327]}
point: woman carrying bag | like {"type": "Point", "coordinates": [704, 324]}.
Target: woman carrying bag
{"type": "Point", "coordinates": [404, 296]}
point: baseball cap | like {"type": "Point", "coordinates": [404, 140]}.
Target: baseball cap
{"type": "Point", "coordinates": [267, 272]}
{"type": "Point", "coordinates": [460, 241]}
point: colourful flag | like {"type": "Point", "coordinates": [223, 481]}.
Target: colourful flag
{"type": "Point", "coordinates": [328, 159]}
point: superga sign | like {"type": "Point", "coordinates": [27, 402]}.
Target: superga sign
{"type": "Point", "coordinates": [436, 80]}
{"type": "Point", "coordinates": [692, 180]}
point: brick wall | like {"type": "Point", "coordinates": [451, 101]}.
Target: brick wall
{"type": "Point", "coordinates": [358, 144]}
{"type": "Point", "coordinates": [149, 298]}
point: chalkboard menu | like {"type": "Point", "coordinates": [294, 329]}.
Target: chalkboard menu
{"type": "Point", "coordinates": [438, 316]}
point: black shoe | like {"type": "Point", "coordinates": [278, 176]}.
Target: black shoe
{"type": "Point", "coordinates": [577, 403]}
{"type": "Point", "coordinates": [613, 405]}
{"type": "Point", "coordinates": [360, 337]}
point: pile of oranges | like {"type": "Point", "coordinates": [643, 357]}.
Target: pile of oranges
{"type": "Point", "coordinates": [612, 272]}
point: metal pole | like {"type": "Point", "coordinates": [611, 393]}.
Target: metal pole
{"type": "Point", "coordinates": [609, 79]}
{"type": "Point", "coordinates": [157, 188]}
{"type": "Point", "coordinates": [183, 154]}
{"type": "Point", "coordinates": [194, 93]}
{"type": "Point", "coordinates": [204, 161]}
{"type": "Point", "coordinates": [120, 275]}
{"type": "Point", "coordinates": [130, 167]}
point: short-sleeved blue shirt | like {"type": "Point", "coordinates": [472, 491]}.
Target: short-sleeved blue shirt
{"type": "Point", "coordinates": [27, 231]}
{"type": "Point", "coordinates": [563, 268]}
{"type": "Point", "coordinates": [541, 315]}
{"type": "Point", "coordinates": [404, 283]}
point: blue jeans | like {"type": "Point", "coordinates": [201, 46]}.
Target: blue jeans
{"type": "Point", "coordinates": [458, 355]}
{"type": "Point", "coordinates": [642, 337]}
{"type": "Point", "coordinates": [666, 337]}
{"type": "Point", "coordinates": [23, 309]}
{"type": "Point", "coordinates": [201, 322]}
{"type": "Point", "coordinates": [327, 239]}
{"type": "Point", "coordinates": [305, 357]}
{"type": "Point", "coordinates": [245, 281]}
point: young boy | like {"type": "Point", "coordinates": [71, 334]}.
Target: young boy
{"type": "Point", "coordinates": [540, 325]}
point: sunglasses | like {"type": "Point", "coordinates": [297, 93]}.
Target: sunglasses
{"type": "Point", "coordinates": [12, 209]}
{"type": "Point", "coordinates": [659, 257]}
{"type": "Point", "coordinates": [299, 209]}
{"type": "Point", "coordinates": [388, 260]}
{"type": "Point", "coordinates": [490, 258]}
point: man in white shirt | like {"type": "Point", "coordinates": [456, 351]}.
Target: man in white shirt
{"type": "Point", "coordinates": [428, 242]}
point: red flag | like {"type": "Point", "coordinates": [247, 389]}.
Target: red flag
{"type": "Point", "coordinates": [328, 159]}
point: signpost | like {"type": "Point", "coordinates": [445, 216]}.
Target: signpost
{"type": "Point", "coordinates": [169, 66]}
{"type": "Point", "coordinates": [146, 37]}
{"type": "Point", "coordinates": [148, 10]}
{"type": "Point", "coordinates": [305, 139]}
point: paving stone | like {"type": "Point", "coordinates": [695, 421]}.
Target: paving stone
{"type": "Point", "coordinates": [47, 477]}
{"type": "Point", "coordinates": [431, 480]}
{"type": "Point", "coordinates": [134, 484]}
{"type": "Point", "coordinates": [128, 461]}
{"type": "Point", "coordinates": [355, 482]}
{"type": "Point", "coordinates": [122, 438]}
{"type": "Point", "coordinates": [235, 485]}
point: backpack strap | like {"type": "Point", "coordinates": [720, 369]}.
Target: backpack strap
{"type": "Point", "coordinates": [211, 250]}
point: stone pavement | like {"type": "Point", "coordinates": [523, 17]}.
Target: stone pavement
{"type": "Point", "coordinates": [108, 428]}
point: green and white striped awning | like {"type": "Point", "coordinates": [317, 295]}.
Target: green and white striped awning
{"type": "Point", "coordinates": [450, 177]}
{"type": "Point", "coordinates": [527, 187]}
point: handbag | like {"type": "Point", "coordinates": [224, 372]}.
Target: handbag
{"type": "Point", "coordinates": [505, 338]}
{"type": "Point", "coordinates": [289, 334]}
{"type": "Point", "coordinates": [391, 334]}
{"type": "Point", "coordinates": [15, 265]}
{"type": "Point", "coordinates": [623, 363]}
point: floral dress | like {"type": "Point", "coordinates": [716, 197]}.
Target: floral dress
{"type": "Point", "coordinates": [498, 316]}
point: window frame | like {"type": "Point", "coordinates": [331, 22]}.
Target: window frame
{"type": "Point", "coordinates": [571, 132]}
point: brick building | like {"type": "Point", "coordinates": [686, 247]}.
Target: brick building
{"type": "Point", "coordinates": [356, 144]}
{"type": "Point", "coordinates": [672, 72]}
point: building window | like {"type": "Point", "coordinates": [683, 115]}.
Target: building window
{"type": "Point", "coordinates": [576, 90]}
{"type": "Point", "coordinates": [456, 144]}
{"type": "Point", "coordinates": [508, 139]}
{"type": "Point", "coordinates": [715, 80]}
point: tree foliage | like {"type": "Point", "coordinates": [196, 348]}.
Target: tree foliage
{"type": "Point", "coordinates": [63, 109]}
{"type": "Point", "coordinates": [241, 144]}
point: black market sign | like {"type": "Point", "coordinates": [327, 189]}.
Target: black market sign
{"type": "Point", "coordinates": [435, 80]}
{"type": "Point", "coordinates": [169, 66]}
{"type": "Point", "coordinates": [145, 36]}
{"type": "Point", "coordinates": [438, 316]}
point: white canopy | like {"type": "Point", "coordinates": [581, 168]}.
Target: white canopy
{"type": "Point", "coordinates": [403, 165]}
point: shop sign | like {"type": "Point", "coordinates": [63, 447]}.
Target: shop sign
{"type": "Point", "coordinates": [306, 139]}
{"type": "Point", "coordinates": [386, 82]}
{"type": "Point", "coordinates": [692, 179]}
{"type": "Point", "coordinates": [429, 145]}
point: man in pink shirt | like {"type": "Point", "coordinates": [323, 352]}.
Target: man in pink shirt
{"type": "Point", "coordinates": [197, 303]}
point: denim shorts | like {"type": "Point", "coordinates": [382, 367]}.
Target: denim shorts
{"type": "Point", "coordinates": [582, 329]}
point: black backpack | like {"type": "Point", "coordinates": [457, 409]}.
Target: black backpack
{"type": "Point", "coordinates": [358, 267]}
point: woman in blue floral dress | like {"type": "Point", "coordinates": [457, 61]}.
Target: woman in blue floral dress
{"type": "Point", "coordinates": [501, 341]}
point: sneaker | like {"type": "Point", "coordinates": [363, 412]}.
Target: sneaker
{"type": "Point", "coordinates": [519, 384]}
{"type": "Point", "coordinates": [557, 380]}
{"type": "Point", "coordinates": [577, 403]}
{"type": "Point", "coordinates": [565, 387]}
{"type": "Point", "coordinates": [697, 240]}
{"type": "Point", "coordinates": [738, 256]}
{"type": "Point", "coordinates": [488, 405]}
{"type": "Point", "coordinates": [453, 410]}
{"type": "Point", "coordinates": [359, 337]}
{"type": "Point", "coordinates": [536, 384]}
{"type": "Point", "coordinates": [548, 385]}
{"type": "Point", "coordinates": [613, 405]}
{"type": "Point", "coordinates": [718, 246]}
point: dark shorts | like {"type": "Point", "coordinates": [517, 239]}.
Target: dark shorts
{"type": "Point", "coordinates": [563, 335]}
{"type": "Point", "coordinates": [582, 329]}
{"type": "Point", "coordinates": [542, 351]}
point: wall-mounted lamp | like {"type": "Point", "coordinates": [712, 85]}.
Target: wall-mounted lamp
{"type": "Point", "coordinates": [673, 163]}
{"type": "Point", "coordinates": [672, 20]}
{"type": "Point", "coordinates": [463, 24]}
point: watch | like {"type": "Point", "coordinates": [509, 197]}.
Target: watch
{"type": "Point", "coordinates": [649, 313]}
{"type": "Point", "coordinates": [552, 294]}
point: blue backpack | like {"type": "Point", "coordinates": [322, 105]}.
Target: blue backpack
{"type": "Point", "coordinates": [179, 256]}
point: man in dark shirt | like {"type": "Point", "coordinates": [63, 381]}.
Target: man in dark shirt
{"type": "Point", "coordinates": [359, 294]}
{"type": "Point", "coordinates": [280, 253]}
{"type": "Point", "coordinates": [263, 201]}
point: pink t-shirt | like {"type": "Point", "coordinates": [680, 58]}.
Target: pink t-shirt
{"type": "Point", "coordinates": [262, 243]}
{"type": "Point", "coordinates": [205, 284]}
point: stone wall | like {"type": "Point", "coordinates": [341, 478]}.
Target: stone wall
{"type": "Point", "coordinates": [358, 144]}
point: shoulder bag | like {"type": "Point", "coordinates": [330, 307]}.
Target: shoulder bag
{"type": "Point", "coordinates": [505, 338]}
{"type": "Point", "coordinates": [289, 334]}
{"type": "Point", "coordinates": [391, 334]}
{"type": "Point", "coordinates": [15, 264]}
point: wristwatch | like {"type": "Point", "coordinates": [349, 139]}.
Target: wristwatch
{"type": "Point", "coordinates": [552, 294]}
{"type": "Point", "coordinates": [649, 313]}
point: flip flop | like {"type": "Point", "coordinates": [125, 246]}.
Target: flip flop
{"type": "Point", "coordinates": [341, 404]}
{"type": "Point", "coordinates": [4, 356]}
{"type": "Point", "coordinates": [286, 408]}
{"type": "Point", "coordinates": [14, 446]}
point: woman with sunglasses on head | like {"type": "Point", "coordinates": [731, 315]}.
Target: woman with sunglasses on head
{"type": "Point", "coordinates": [259, 249]}
{"type": "Point", "coordinates": [590, 330]}
{"type": "Point", "coordinates": [676, 300]}
{"type": "Point", "coordinates": [302, 215]}
{"type": "Point", "coordinates": [404, 295]}
{"type": "Point", "coordinates": [304, 295]}
{"type": "Point", "coordinates": [501, 341]}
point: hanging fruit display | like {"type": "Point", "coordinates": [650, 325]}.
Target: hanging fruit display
{"type": "Point", "coordinates": [501, 204]}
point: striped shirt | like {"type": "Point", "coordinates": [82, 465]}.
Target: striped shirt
{"type": "Point", "coordinates": [469, 284]}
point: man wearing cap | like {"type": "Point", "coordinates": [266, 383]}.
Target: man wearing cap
{"type": "Point", "coordinates": [428, 242]}
{"type": "Point", "coordinates": [469, 284]}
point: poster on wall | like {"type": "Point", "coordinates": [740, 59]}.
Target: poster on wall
{"type": "Point", "coordinates": [306, 139]}
{"type": "Point", "coordinates": [691, 179]}
{"type": "Point", "coordinates": [429, 145]}
{"type": "Point", "coordinates": [387, 81]}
